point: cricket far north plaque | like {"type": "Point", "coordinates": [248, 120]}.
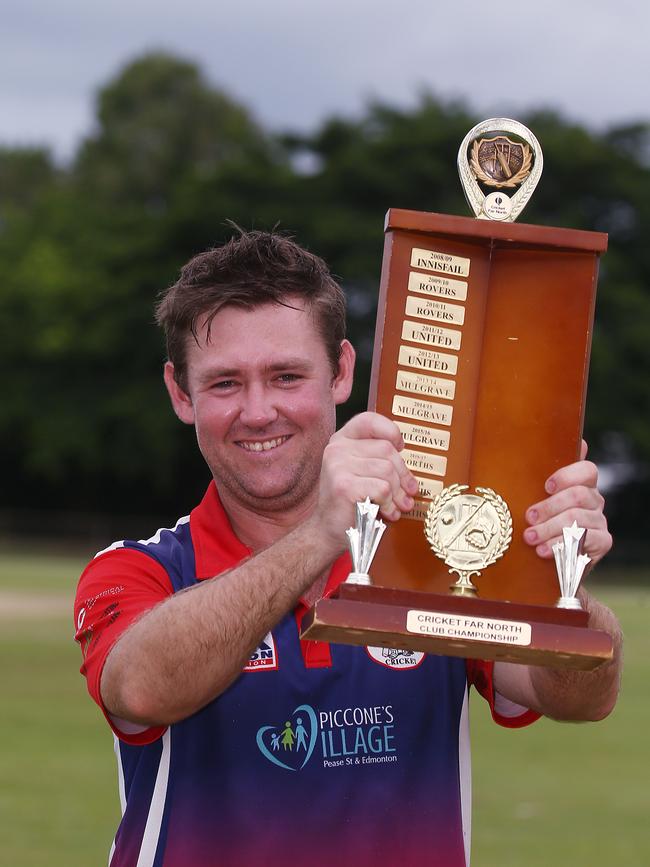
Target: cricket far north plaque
{"type": "Point", "coordinates": [481, 358]}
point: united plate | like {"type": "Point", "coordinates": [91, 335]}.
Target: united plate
{"type": "Point", "coordinates": [433, 335]}
{"type": "Point", "coordinates": [429, 359]}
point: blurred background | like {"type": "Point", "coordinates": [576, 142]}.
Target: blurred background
{"type": "Point", "coordinates": [129, 137]}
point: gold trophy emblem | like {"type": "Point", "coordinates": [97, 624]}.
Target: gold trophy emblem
{"type": "Point", "coordinates": [468, 531]}
{"type": "Point", "coordinates": [489, 157]}
{"type": "Point", "coordinates": [499, 162]}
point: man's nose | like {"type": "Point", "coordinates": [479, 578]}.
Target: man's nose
{"type": "Point", "coordinates": [258, 407]}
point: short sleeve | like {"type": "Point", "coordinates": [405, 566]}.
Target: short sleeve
{"type": "Point", "coordinates": [116, 588]}
{"type": "Point", "coordinates": [505, 713]}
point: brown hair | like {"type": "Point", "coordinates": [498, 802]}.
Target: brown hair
{"type": "Point", "coordinates": [251, 269]}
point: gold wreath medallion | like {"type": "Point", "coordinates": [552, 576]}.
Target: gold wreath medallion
{"type": "Point", "coordinates": [468, 531]}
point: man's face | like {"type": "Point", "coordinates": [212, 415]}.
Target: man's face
{"type": "Point", "coordinates": [262, 395]}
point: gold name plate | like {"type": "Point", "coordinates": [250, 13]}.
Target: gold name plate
{"type": "Point", "coordinates": [432, 284]}
{"type": "Point", "coordinates": [428, 359]}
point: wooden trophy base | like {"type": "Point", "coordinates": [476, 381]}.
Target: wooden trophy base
{"type": "Point", "coordinates": [458, 626]}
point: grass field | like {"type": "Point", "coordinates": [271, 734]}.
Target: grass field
{"type": "Point", "coordinates": [553, 794]}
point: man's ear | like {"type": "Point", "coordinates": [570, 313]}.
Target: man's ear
{"type": "Point", "coordinates": [181, 401]}
{"type": "Point", "coordinates": [342, 382]}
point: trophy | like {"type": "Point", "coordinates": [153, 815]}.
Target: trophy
{"type": "Point", "coordinates": [481, 356]}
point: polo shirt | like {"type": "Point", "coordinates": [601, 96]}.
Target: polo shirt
{"type": "Point", "coordinates": [332, 754]}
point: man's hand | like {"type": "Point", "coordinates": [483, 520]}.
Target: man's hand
{"type": "Point", "coordinates": [362, 460]}
{"type": "Point", "coordinates": [573, 496]}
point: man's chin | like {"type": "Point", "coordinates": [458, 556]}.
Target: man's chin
{"type": "Point", "coordinates": [266, 497]}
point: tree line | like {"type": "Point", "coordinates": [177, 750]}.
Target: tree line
{"type": "Point", "coordinates": [85, 248]}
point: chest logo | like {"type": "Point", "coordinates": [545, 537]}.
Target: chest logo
{"type": "Point", "coordinates": [265, 657]}
{"type": "Point", "coordinates": [393, 657]}
{"type": "Point", "coordinates": [290, 744]}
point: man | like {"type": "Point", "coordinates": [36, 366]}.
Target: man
{"type": "Point", "coordinates": [237, 743]}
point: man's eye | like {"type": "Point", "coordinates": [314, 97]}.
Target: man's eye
{"type": "Point", "coordinates": [224, 384]}
{"type": "Point", "coordinates": [288, 377]}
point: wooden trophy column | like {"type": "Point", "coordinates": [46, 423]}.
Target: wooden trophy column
{"type": "Point", "coordinates": [481, 357]}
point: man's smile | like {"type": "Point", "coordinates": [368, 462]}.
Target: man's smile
{"type": "Point", "coordinates": [262, 445]}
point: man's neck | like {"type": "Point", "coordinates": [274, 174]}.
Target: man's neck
{"type": "Point", "coordinates": [258, 528]}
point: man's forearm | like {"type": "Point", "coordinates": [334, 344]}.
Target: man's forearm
{"type": "Point", "coordinates": [563, 694]}
{"type": "Point", "coordinates": [188, 649]}
{"type": "Point", "coordinates": [583, 695]}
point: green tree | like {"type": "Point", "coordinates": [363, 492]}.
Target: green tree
{"type": "Point", "coordinates": [158, 122]}
{"type": "Point", "coordinates": [84, 252]}
{"type": "Point", "coordinates": [83, 265]}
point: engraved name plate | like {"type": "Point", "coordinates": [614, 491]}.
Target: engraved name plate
{"type": "Point", "coordinates": [422, 383]}
{"type": "Point", "coordinates": [432, 284]}
{"type": "Point", "coordinates": [418, 512]}
{"type": "Point", "coordinates": [432, 260]}
{"type": "Point", "coordinates": [423, 410]}
{"type": "Point", "coordinates": [427, 437]}
{"type": "Point", "coordinates": [428, 359]}
{"type": "Point", "coordinates": [432, 335]}
{"type": "Point", "coordinates": [423, 462]}
{"type": "Point", "coordinates": [440, 311]}
{"type": "Point", "coordinates": [428, 488]}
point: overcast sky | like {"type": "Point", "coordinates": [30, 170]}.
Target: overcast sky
{"type": "Point", "coordinates": [294, 63]}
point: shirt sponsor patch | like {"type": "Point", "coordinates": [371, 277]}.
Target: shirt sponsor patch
{"type": "Point", "coordinates": [393, 657]}
{"type": "Point", "coordinates": [265, 657]}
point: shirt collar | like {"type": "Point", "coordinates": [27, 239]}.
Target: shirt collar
{"type": "Point", "coordinates": [217, 548]}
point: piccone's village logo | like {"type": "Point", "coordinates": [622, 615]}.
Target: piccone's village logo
{"type": "Point", "coordinates": [338, 738]}
{"type": "Point", "coordinates": [290, 745]}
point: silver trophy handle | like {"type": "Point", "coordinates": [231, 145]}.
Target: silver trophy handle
{"type": "Point", "coordinates": [363, 540]}
{"type": "Point", "coordinates": [570, 563]}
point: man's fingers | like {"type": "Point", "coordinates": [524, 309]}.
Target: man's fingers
{"type": "Point", "coordinates": [374, 435]}
{"type": "Point", "coordinates": [372, 425]}
{"type": "Point", "coordinates": [576, 497]}
{"type": "Point", "coordinates": [391, 502]}
{"type": "Point", "coordinates": [580, 473]}
{"type": "Point", "coordinates": [597, 543]}
{"type": "Point", "coordinates": [550, 530]}
{"type": "Point", "coordinates": [382, 457]}
{"type": "Point", "coordinates": [385, 480]}
{"type": "Point", "coordinates": [407, 480]}
{"type": "Point", "coordinates": [362, 460]}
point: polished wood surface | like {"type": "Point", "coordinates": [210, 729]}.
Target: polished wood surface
{"type": "Point", "coordinates": [521, 383]}
{"type": "Point", "coordinates": [518, 413]}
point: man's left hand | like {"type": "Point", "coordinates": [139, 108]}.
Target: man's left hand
{"type": "Point", "coordinates": [573, 496]}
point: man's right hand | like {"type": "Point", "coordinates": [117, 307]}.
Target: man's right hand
{"type": "Point", "coordinates": [362, 460]}
{"type": "Point", "coordinates": [215, 626]}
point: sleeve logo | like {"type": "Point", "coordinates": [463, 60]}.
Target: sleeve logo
{"type": "Point", "coordinates": [265, 656]}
